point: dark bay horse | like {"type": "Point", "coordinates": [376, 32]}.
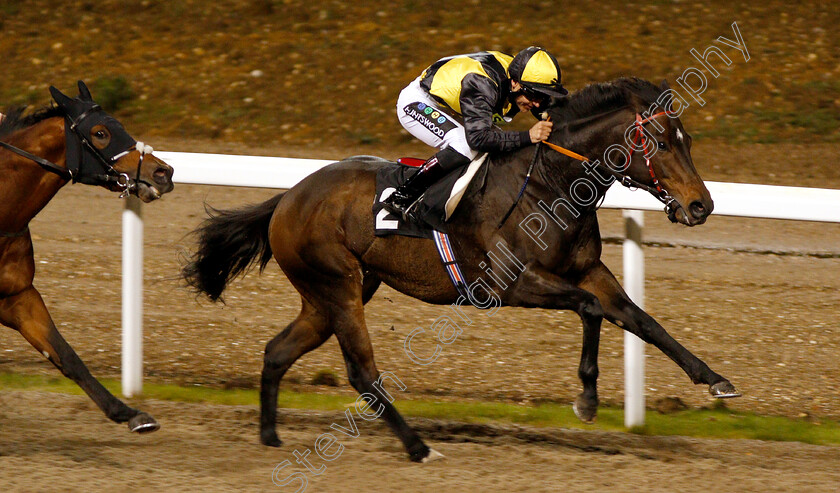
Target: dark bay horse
{"type": "Point", "coordinates": [321, 232]}
{"type": "Point", "coordinates": [40, 153]}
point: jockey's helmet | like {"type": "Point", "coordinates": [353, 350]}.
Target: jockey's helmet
{"type": "Point", "coordinates": [537, 71]}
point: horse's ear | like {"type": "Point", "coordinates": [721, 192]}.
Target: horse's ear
{"type": "Point", "coordinates": [84, 92]}
{"type": "Point", "coordinates": [60, 98]}
{"type": "Point", "coordinates": [664, 85]}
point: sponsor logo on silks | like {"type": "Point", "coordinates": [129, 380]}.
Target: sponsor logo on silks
{"type": "Point", "coordinates": [499, 119]}
{"type": "Point", "coordinates": [435, 121]}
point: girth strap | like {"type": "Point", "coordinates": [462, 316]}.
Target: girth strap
{"type": "Point", "coordinates": [18, 234]}
{"type": "Point", "coordinates": [447, 256]}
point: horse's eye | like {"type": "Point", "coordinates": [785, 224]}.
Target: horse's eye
{"type": "Point", "coordinates": [663, 146]}
{"type": "Point", "coordinates": [100, 134]}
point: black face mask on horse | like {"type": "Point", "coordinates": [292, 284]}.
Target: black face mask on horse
{"type": "Point", "coordinates": [86, 162]}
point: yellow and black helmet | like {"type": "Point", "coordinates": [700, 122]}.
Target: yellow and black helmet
{"type": "Point", "coordinates": [537, 71]}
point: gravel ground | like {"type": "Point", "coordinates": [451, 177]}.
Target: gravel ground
{"type": "Point", "coordinates": [51, 442]}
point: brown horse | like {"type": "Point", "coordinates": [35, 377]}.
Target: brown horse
{"type": "Point", "coordinates": [39, 153]}
{"type": "Point", "coordinates": [321, 232]}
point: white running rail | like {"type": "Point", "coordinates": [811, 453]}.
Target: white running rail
{"type": "Point", "coordinates": [731, 199]}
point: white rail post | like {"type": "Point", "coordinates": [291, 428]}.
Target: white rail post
{"type": "Point", "coordinates": [634, 348]}
{"type": "Point", "coordinates": [132, 297]}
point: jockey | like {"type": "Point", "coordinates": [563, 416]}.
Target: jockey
{"type": "Point", "coordinates": [456, 102]}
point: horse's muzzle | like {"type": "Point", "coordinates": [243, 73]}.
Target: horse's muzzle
{"type": "Point", "coordinates": [695, 214]}
{"type": "Point", "coordinates": [158, 183]}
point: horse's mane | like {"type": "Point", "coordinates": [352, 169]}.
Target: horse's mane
{"type": "Point", "coordinates": [604, 96]}
{"type": "Point", "coordinates": [17, 118]}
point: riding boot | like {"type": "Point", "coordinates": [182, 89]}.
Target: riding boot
{"type": "Point", "coordinates": [431, 171]}
{"type": "Point", "coordinates": [407, 193]}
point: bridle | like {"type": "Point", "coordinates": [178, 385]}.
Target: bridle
{"type": "Point", "coordinates": [671, 204]}
{"type": "Point", "coordinates": [111, 175]}
{"type": "Point", "coordinates": [657, 190]}
{"type": "Point", "coordinates": [640, 137]}
{"type": "Point", "coordinates": [74, 171]}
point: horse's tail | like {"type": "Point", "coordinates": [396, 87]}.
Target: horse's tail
{"type": "Point", "coordinates": [229, 244]}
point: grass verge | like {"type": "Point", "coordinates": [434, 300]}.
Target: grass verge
{"type": "Point", "coordinates": [716, 422]}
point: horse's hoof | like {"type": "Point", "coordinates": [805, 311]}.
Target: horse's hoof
{"type": "Point", "coordinates": [585, 412]}
{"type": "Point", "coordinates": [143, 423]}
{"type": "Point", "coordinates": [724, 390]}
{"type": "Point", "coordinates": [433, 456]}
{"type": "Point", "coordinates": [271, 440]}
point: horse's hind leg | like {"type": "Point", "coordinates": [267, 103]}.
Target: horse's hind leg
{"type": "Point", "coordinates": [620, 310]}
{"type": "Point", "coordinates": [309, 330]}
{"type": "Point", "coordinates": [315, 324]}
{"type": "Point", "coordinates": [349, 324]}
{"type": "Point", "coordinates": [341, 298]}
{"type": "Point", "coordinates": [26, 313]}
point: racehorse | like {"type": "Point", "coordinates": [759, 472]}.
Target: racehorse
{"type": "Point", "coordinates": [321, 232]}
{"type": "Point", "coordinates": [40, 153]}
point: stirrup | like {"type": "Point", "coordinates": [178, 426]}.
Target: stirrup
{"type": "Point", "coordinates": [405, 212]}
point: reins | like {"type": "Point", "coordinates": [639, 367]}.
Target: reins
{"type": "Point", "coordinates": [525, 184]}
{"type": "Point", "coordinates": [563, 150]}
{"type": "Point", "coordinates": [47, 165]}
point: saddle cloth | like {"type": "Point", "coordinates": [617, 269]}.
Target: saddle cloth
{"type": "Point", "coordinates": [435, 207]}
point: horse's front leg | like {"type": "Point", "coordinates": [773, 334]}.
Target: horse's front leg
{"type": "Point", "coordinates": [620, 310]}
{"type": "Point", "coordinates": [539, 288]}
{"type": "Point", "coordinates": [26, 313]}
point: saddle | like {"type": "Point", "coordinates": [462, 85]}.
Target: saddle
{"type": "Point", "coordinates": [433, 208]}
